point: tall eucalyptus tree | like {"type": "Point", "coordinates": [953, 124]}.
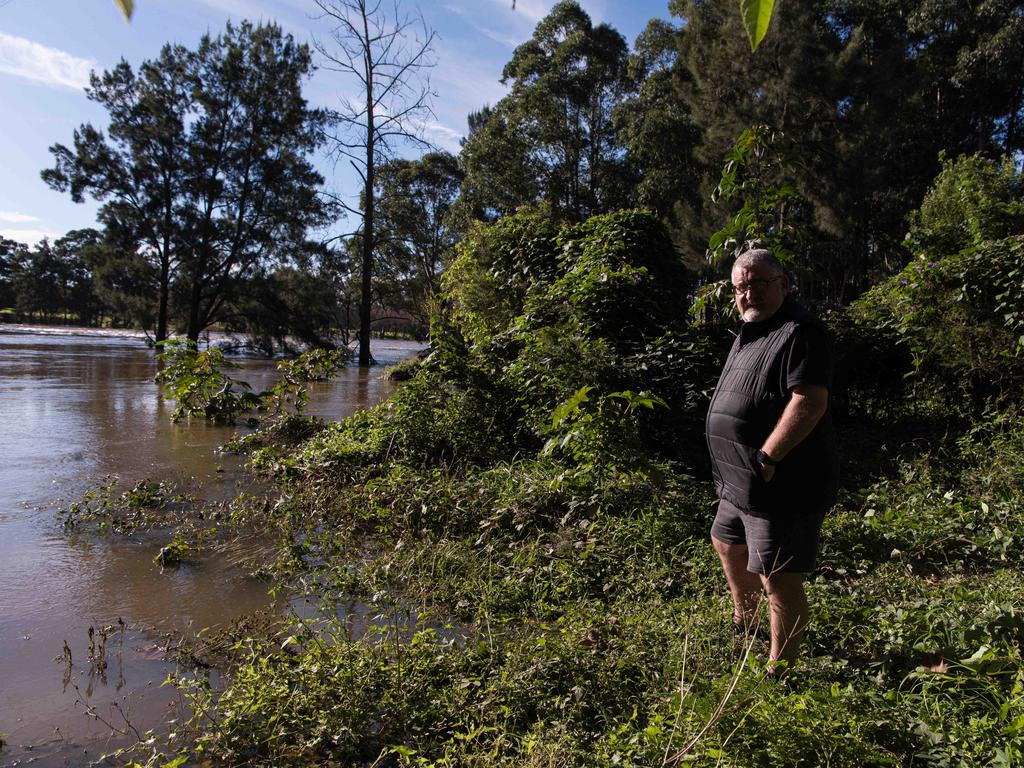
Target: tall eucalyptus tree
{"type": "Point", "coordinates": [552, 137]}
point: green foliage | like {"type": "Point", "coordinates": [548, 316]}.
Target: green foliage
{"type": "Point", "coordinates": [552, 137]}
{"type": "Point", "coordinates": [429, 421]}
{"type": "Point", "coordinates": [290, 391]}
{"type": "Point", "coordinates": [599, 432]}
{"type": "Point", "coordinates": [108, 511]}
{"type": "Point", "coordinates": [656, 128]}
{"type": "Point", "coordinates": [417, 236]}
{"type": "Point", "coordinates": [495, 268]}
{"type": "Point", "coordinates": [866, 95]}
{"type": "Point", "coordinates": [971, 201]}
{"type": "Point", "coordinates": [403, 370]}
{"type": "Point", "coordinates": [757, 15]}
{"type": "Point", "coordinates": [234, 103]}
{"type": "Point", "coordinates": [957, 305]}
{"type": "Point", "coordinates": [522, 610]}
{"type": "Point", "coordinates": [766, 205]}
{"type": "Point", "coordinates": [172, 555]}
{"type": "Point", "coordinates": [621, 279]}
{"type": "Point", "coordinates": [196, 381]}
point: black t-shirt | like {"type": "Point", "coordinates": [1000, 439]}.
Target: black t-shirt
{"type": "Point", "coordinates": [808, 360]}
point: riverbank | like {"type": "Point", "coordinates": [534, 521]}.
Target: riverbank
{"type": "Point", "coordinates": [79, 411]}
{"type": "Point", "coordinates": [539, 612]}
{"type": "Point", "coordinates": [507, 563]}
{"type": "Point", "coordinates": [527, 519]}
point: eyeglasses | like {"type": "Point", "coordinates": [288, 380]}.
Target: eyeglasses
{"type": "Point", "coordinates": [746, 288]}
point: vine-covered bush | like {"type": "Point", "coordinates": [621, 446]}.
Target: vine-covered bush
{"type": "Point", "coordinates": [957, 306]}
{"type": "Point", "coordinates": [530, 315]}
{"type": "Point", "coordinates": [622, 280]}
{"type": "Point", "coordinates": [496, 266]}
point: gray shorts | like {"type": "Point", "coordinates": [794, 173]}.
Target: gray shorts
{"type": "Point", "coordinates": [784, 544]}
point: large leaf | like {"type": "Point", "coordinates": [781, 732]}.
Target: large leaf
{"type": "Point", "coordinates": [126, 7]}
{"type": "Point", "coordinates": [756, 14]}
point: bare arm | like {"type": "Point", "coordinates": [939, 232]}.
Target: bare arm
{"type": "Point", "coordinates": [806, 406]}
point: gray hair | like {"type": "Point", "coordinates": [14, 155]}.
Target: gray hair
{"type": "Point", "coordinates": [755, 256]}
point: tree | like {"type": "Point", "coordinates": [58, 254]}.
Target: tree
{"type": "Point", "coordinates": [206, 166]}
{"type": "Point", "coordinates": [389, 56]}
{"type": "Point", "coordinates": [304, 301]}
{"type": "Point", "coordinates": [656, 126]}
{"type": "Point", "coordinates": [252, 188]}
{"type": "Point", "coordinates": [11, 254]}
{"type": "Point", "coordinates": [77, 288]}
{"type": "Point", "coordinates": [552, 137]}
{"type": "Point", "coordinates": [417, 233]}
{"type": "Point", "coordinates": [123, 279]}
{"type": "Point", "coordinates": [37, 282]}
{"type": "Point", "coordinates": [139, 173]}
{"type": "Point", "coordinates": [863, 95]}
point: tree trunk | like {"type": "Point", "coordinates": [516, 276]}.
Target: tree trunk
{"type": "Point", "coordinates": [365, 358]}
{"type": "Point", "coordinates": [195, 303]}
{"type": "Point", "coordinates": [161, 318]}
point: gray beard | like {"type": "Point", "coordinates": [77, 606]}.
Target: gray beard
{"type": "Point", "coordinates": [755, 316]}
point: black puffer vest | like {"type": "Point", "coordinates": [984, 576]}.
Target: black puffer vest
{"type": "Point", "coordinates": [751, 394]}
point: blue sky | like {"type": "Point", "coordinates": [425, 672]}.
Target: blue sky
{"type": "Point", "coordinates": [48, 48]}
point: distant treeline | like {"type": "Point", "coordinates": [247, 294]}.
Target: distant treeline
{"type": "Point", "coordinates": [80, 280]}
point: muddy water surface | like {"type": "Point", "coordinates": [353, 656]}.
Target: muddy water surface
{"type": "Point", "coordinates": [74, 409]}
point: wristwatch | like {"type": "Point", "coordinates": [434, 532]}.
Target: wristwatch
{"type": "Point", "coordinates": [764, 458]}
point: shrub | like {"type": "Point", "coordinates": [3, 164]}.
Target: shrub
{"type": "Point", "coordinates": [622, 280]}
{"type": "Point", "coordinates": [495, 267]}
{"type": "Point", "coordinates": [957, 306]}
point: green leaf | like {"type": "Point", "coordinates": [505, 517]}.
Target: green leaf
{"type": "Point", "coordinates": [126, 7]}
{"type": "Point", "coordinates": [756, 14]}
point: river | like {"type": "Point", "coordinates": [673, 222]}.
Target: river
{"type": "Point", "coordinates": [73, 410]}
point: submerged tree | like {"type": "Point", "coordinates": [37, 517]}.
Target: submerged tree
{"type": "Point", "coordinates": [388, 55]}
{"type": "Point", "coordinates": [206, 167]}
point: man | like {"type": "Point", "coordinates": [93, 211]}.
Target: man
{"type": "Point", "coordinates": [773, 453]}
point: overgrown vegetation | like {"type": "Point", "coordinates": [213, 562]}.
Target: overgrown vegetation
{"type": "Point", "coordinates": [197, 382]}
{"type": "Point", "coordinates": [510, 556]}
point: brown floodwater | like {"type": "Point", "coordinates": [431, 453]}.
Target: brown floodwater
{"type": "Point", "coordinates": [73, 410]}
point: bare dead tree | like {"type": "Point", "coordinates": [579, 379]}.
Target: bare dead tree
{"type": "Point", "coordinates": [389, 54]}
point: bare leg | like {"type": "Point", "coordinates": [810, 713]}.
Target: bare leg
{"type": "Point", "coordinates": [787, 603]}
{"type": "Point", "coordinates": [744, 585]}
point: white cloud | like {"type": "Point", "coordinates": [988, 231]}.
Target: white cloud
{"type": "Point", "coordinates": [468, 84]}
{"type": "Point", "coordinates": [12, 217]}
{"type": "Point", "coordinates": [508, 40]}
{"type": "Point", "coordinates": [42, 64]}
{"type": "Point", "coordinates": [440, 135]}
{"type": "Point", "coordinates": [29, 236]}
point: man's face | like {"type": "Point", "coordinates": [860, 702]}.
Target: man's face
{"type": "Point", "coordinates": [765, 292]}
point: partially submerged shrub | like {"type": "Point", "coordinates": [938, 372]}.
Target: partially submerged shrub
{"type": "Point", "coordinates": [197, 382]}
